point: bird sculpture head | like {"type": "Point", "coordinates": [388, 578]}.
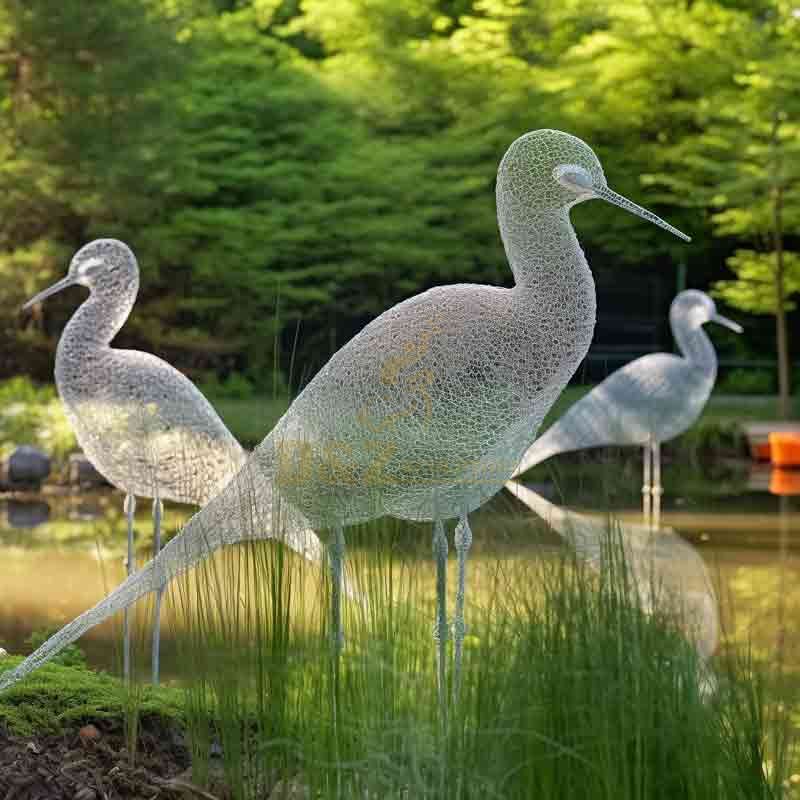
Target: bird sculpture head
{"type": "Point", "coordinates": [546, 172]}
{"type": "Point", "coordinates": [107, 266]}
{"type": "Point", "coordinates": [693, 309]}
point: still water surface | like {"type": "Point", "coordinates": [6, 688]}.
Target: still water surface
{"type": "Point", "coordinates": [62, 553]}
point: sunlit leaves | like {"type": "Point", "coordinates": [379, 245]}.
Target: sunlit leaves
{"type": "Point", "coordinates": [753, 290]}
{"type": "Point", "coordinates": [335, 156]}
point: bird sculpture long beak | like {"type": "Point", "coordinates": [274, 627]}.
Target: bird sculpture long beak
{"type": "Point", "coordinates": [45, 293]}
{"type": "Point", "coordinates": [728, 323]}
{"type": "Point", "coordinates": [604, 193]}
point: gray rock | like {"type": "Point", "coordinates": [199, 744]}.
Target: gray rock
{"type": "Point", "coordinates": [27, 515]}
{"type": "Point", "coordinates": [81, 472]}
{"type": "Point", "coordinates": [27, 466]}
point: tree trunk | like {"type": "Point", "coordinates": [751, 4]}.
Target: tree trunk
{"type": "Point", "coordinates": [784, 377]}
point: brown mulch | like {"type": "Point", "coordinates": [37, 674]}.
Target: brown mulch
{"type": "Point", "coordinates": [92, 763]}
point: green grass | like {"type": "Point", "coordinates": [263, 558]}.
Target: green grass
{"type": "Point", "coordinates": [747, 409]}
{"type": "Point", "coordinates": [569, 688]}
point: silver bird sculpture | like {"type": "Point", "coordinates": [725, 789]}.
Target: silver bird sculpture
{"type": "Point", "coordinates": [143, 425]}
{"type": "Point", "coordinates": [666, 573]}
{"type": "Point", "coordinates": [648, 401]}
{"type": "Point", "coordinates": [426, 412]}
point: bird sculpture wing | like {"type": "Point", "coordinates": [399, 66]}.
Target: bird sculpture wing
{"type": "Point", "coordinates": [149, 430]}
{"type": "Point", "coordinates": [659, 396]}
{"type": "Point", "coordinates": [667, 573]}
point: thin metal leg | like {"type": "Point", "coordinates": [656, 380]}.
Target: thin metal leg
{"type": "Point", "coordinates": [657, 488]}
{"type": "Point", "coordinates": [463, 541]}
{"type": "Point", "coordinates": [158, 514]}
{"type": "Point", "coordinates": [129, 508]}
{"type": "Point", "coordinates": [336, 550]}
{"type": "Point", "coordinates": [646, 485]}
{"type": "Point", "coordinates": [440, 627]}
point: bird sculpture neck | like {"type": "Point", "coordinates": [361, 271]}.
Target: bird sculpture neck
{"type": "Point", "coordinates": [694, 345]}
{"type": "Point", "coordinates": [547, 262]}
{"type": "Point", "coordinates": [98, 319]}
{"type": "Point", "coordinates": [541, 247]}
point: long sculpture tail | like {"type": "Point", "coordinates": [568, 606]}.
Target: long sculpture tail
{"type": "Point", "coordinates": [548, 444]}
{"type": "Point", "coordinates": [245, 510]}
{"type": "Point", "coordinates": [592, 421]}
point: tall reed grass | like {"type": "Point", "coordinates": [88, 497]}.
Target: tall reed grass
{"type": "Point", "coordinates": [570, 690]}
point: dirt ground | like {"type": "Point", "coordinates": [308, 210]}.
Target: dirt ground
{"type": "Point", "coordinates": [92, 763]}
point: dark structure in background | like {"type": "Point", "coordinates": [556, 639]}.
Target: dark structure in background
{"type": "Point", "coordinates": [631, 321]}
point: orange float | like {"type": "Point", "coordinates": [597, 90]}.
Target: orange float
{"type": "Point", "coordinates": [784, 482]}
{"type": "Point", "coordinates": [760, 451]}
{"type": "Point", "coordinates": [784, 449]}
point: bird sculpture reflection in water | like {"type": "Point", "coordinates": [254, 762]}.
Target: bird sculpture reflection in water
{"type": "Point", "coordinates": [426, 412]}
{"type": "Point", "coordinates": [666, 573]}
{"type": "Point", "coordinates": [143, 425]}
{"type": "Point", "coordinates": [648, 401]}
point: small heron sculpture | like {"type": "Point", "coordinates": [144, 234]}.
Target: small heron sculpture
{"type": "Point", "coordinates": [648, 401]}
{"type": "Point", "coordinates": [143, 425]}
{"type": "Point", "coordinates": [666, 572]}
{"type": "Point", "coordinates": [426, 412]}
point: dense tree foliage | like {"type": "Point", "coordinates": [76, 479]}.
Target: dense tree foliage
{"type": "Point", "coordinates": [278, 163]}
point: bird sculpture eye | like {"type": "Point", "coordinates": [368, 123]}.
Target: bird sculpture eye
{"type": "Point", "coordinates": [573, 177]}
{"type": "Point", "coordinates": [90, 265]}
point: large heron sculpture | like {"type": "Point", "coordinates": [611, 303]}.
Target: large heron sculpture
{"type": "Point", "coordinates": [427, 411]}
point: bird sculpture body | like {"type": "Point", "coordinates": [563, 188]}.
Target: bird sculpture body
{"type": "Point", "coordinates": [425, 413]}
{"type": "Point", "coordinates": [648, 401]}
{"type": "Point", "coordinates": [143, 424]}
{"type": "Point", "coordinates": [666, 574]}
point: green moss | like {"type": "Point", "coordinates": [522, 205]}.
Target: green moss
{"type": "Point", "coordinates": [57, 697]}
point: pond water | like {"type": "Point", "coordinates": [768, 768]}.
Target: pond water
{"type": "Point", "coordinates": [62, 553]}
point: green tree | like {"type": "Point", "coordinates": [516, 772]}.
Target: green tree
{"type": "Point", "coordinates": [273, 161]}
{"type": "Point", "coordinates": [286, 199]}
{"type": "Point", "coordinates": [761, 199]}
{"type": "Point", "coordinates": [84, 138]}
{"type": "Point", "coordinates": [744, 165]}
{"type": "Point", "coordinates": [754, 288]}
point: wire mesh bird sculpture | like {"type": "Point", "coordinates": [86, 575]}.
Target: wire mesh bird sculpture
{"type": "Point", "coordinates": [665, 573]}
{"type": "Point", "coordinates": [143, 425]}
{"type": "Point", "coordinates": [648, 401]}
{"type": "Point", "coordinates": [426, 412]}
